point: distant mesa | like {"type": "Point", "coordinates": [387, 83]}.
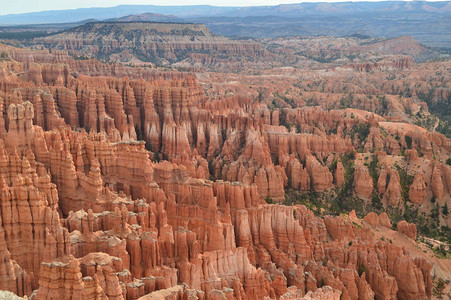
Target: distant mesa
{"type": "Point", "coordinates": [154, 42]}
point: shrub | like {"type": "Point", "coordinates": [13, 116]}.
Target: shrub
{"type": "Point", "coordinates": [445, 209]}
{"type": "Point", "coordinates": [157, 157]}
{"type": "Point", "coordinates": [376, 201]}
{"type": "Point", "coordinates": [362, 130]}
{"type": "Point", "coordinates": [408, 141]}
{"type": "Point", "coordinates": [268, 199]}
{"type": "Point", "coordinates": [361, 269]}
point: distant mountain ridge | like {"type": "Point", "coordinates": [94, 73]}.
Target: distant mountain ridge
{"type": "Point", "coordinates": [147, 17]}
{"type": "Point", "coordinates": [428, 22]}
{"type": "Point", "coordinates": [196, 11]}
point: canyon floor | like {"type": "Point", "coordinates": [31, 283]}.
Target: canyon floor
{"type": "Point", "coordinates": [159, 161]}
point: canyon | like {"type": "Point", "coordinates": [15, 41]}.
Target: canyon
{"type": "Point", "coordinates": [272, 169]}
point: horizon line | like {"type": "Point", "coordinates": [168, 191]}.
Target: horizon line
{"type": "Point", "coordinates": [227, 6]}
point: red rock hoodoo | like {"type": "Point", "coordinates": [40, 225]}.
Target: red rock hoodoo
{"type": "Point", "coordinates": [123, 182]}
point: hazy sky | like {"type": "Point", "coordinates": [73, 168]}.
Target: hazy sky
{"type": "Point", "coordinates": [22, 6]}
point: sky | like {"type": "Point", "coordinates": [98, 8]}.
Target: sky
{"type": "Point", "coordinates": [24, 6]}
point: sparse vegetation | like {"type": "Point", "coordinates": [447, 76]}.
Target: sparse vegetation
{"type": "Point", "coordinates": [439, 105]}
{"type": "Point", "coordinates": [438, 288]}
{"type": "Point", "coordinates": [405, 181]}
{"type": "Point", "coordinates": [382, 108]}
{"type": "Point", "coordinates": [374, 169]}
{"type": "Point", "coordinates": [347, 101]}
{"type": "Point", "coordinates": [361, 132]}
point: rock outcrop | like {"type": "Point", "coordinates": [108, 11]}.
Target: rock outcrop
{"type": "Point", "coordinates": [389, 185]}
{"type": "Point", "coordinates": [408, 229]}
{"type": "Point", "coordinates": [382, 220]}
{"type": "Point", "coordinates": [418, 191]}
{"type": "Point", "coordinates": [363, 183]}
